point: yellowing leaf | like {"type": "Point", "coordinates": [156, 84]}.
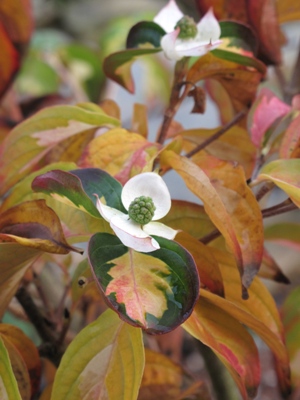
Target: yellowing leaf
{"type": "Point", "coordinates": [35, 225]}
{"type": "Point", "coordinates": [104, 361]}
{"type": "Point", "coordinates": [15, 260]}
{"type": "Point", "coordinates": [235, 145]}
{"type": "Point", "coordinates": [140, 120]}
{"type": "Point", "coordinates": [285, 174]}
{"type": "Point", "coordinates": [120, 153]}
{"type": "Point", "coordinates": [229, 340]}
{"type": "Point", "coordinates": [230, 204]}
{"type": "Point", "coordinates": [32, 140]}
{"type": "Point", "coordinates": [8, 384]}
{"type": "Point", "coordinates": [288, 10]}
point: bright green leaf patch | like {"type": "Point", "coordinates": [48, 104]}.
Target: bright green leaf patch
{"type": "Point", "coordinates": [8, 384]}
{"type": "Point", "coordinates": [156, 291]}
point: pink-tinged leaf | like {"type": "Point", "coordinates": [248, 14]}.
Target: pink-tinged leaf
{"type": "Point", "coordinates": [235, 145]}
{"type": "Point", "coordinates": [156, 291]}
{"type": "Point", "coordinates": [117, 66]}
{"type": "Point", "coordinates": [290, 144]}
{"type": "Point", "coordinates": [121, 153]}
{"type": "Point", "coordinates": [104, 361]}
{"type": "Point", "coordinates": [284, 233]}
{"type": "Point", "coordinates": [270, 269]}
{"type": "Point", "coordinates": [285, 174]}
{"type": "Point", "coordinates": [259, 313]}
{"type": "Point", "coordinates": [15, 260]}
{"type": "Point", "coordinates": [33, 139]}
{"type": "Point", "coordinates": [231, 206]}
{"type": "Point", "coordinates": [265, 111]}
{"type": "Point", "coordinates": [229, 340]}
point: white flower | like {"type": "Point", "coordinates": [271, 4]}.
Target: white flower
{"type": "Point", "coordinates": [131, 233]}
{"type": "Point", "coordinates": [206, 38]}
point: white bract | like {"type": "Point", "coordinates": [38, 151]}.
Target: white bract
{"type": "Point", "coordinates": [207, 33]}
{"type": "Point", "coordinates": [131, 233]}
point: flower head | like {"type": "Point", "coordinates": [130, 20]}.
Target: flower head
{"type": "Point", "coordinates": [147, 199]}
{"type": "Point", "coordinates": [184, 37]}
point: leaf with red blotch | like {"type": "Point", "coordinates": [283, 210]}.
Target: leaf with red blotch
{"type": "Point", "coordinates": [15, 30]}
{"type": "Point", "coordinates": [266, 109]}
{"type": "Point", "coordinates": [229, 340]}
{"type": "Point", "coordinates": [229, 203]}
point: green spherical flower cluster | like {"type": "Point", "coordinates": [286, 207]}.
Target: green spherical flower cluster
{"type": "Point", "coordinates": [188, 28]}
{"type": "Point", "coordinates": [141, 210]}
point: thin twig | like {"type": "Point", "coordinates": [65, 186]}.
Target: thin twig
{"type": "Point", "coordinates": [280, 208]}
{"type": "Point", "coordinates": [219, 133]}
{"type": "Point", "coordinates": [210, 236]}
{"type": "Point", "coordinates": [266, 188]}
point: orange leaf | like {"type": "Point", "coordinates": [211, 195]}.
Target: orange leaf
{"type": "Point", "coordinates": [229, 340]}
{"type": "Point", "coordinates": [231, 206]}
{"type": "Point", "coordinates": [290, 144]}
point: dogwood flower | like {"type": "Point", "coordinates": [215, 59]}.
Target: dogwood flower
{"type": "Point", "coordinates": [184, 37]}
{"type": "Point", "coordinates": [146, 198]}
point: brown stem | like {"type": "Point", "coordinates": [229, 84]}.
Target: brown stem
{"type": "Point", "coordinates": [210, 236]}
{"type": "Point", "coordinates": [175, 98]}
{"type": "Point", "coordinates": [280, 208]}
{"type": "Point", "coordinates": [266, 188]}
{"type": "Point", "coordinates": [219, 133]}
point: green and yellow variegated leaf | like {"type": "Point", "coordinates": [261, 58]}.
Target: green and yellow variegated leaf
{"type": "Point", "coordinates": [285, 174]}
{"type": "Point", "coordinates": [8, 384]}
{"type": "Point", "coordinates": [156, 291]}
{"type": "Point", "coordinates": [34, 138]}
{"type": "Point", "coordinates": [284, 233]}
{"type": "Point", "coordinates": [104, 361]}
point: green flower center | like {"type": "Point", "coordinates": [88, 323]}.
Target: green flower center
{"type": "Point", "coordinates": [141, 210]}
{"type": "Point", "coordinates": [188, 28]}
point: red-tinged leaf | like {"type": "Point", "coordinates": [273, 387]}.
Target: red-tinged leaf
{"type": "Point", "coordinates": [34, 138]}
{"type": "Point", "coordinates": [288, 10]}
{"type": "Point", "coordinates": [239, 81]}
{"type": "Point", "coordinates": [117, 66]}
{"type": "Point", "coordinates": [15, 260]}
{"type": "Point", "coordinates": [139, 121]}
{"type": "Point", "coordinates": [33, 224]}
{"type": "Point", "coordinates": [222, 99]}
{"type": "Point", "coordinates": [9, 386]}
{"type": "Point", "coordinates": [285, 174]}
{"type": "Point", "coordinates": [16, 25]}
{"type": "Point", "coordinates": [121, 153]}
{"type": "Point", "coordinates": [224, 9]}
{"type": "Point", "coordinates": [262, 16]}
{"type": "Point", "coordinates": [27, 350]}
{"type": "Point", "coordinates": [259, 313]}
{"type": "Point", "coordinates": [290, 144]}
{"type": "Point", "coordinates": [155, 291]}
{"type": "Point", "coordinates": [165, 379]}
{"type": "Point", "coordinates": [208, 269]}
{"type": "Point", "coordinates": [231, 206]}
{"type": "Point", "coordinates": [270, 269]}
{"type": "Point", "coordinates": [105, 360]}
{"type": "Point", "coordinates": [235, 145]}
{"type": "Point", "coordinates": [229, 340]}
{"type": "Point", "coordinates": [284, 233]}
{"type": "Point", "coordinates": [188, 217]}
{"type": "Point", "coordinates": [266, 109]}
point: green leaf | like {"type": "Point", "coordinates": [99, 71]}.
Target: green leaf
{"type": "Point", "coordinates": [240, 59]}
{"type": "Point", "coordinates": [78, 187]}
{"type": "Point", "coordinates": [105, 360]}
{"type": "Point", "coordinates": [144, 32]}
{"type": "Point", "coordinates": [156, 291]}
{"type": "Point", "coordinates": [117, 66]}
{"type": "Point", "coordinates": [27, 144]}
{"type": "Point", "coordinates": [8, 384]}
{"type": "Point", "coordinates": [284, 233]}
{"type": "Point", "coordinates": [239, 35]}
